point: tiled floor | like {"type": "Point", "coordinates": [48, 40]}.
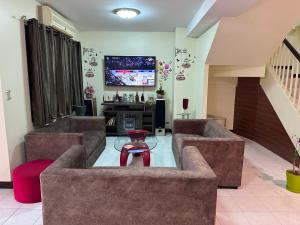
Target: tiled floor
{"type": "Point", "coordinates": [262, 199]}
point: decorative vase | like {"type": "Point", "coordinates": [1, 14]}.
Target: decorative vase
{"type": "Point", "coordinates": [137, 98]}
{"type": "Point", "coordinates": [185, 104]}
{"type": "Point", "coordinates": [159, 96]}
{"type": "Point", "coordinates": [292, 181]}
{"type": "Point", "coordinates": [142, 98]}
{"type": "Point", "coordinates": [88, 95]}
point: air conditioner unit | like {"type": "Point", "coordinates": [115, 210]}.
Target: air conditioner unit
{"type": "Point", "coordinates": [51, 18]}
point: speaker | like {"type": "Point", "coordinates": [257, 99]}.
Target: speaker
{"type": "Point", "coordinates": [91, 108]}
{"type": "Point", "coordinates": [160, 113]}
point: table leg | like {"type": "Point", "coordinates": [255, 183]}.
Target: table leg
{"type": "Point", "coordinates": [123, 157]}
{"type": "Point", "coordinates": [146, 158]}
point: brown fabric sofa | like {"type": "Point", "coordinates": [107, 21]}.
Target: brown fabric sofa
{"type": "Point", "coordinates": [223, 150]}
{"type": "Point", "coordinates": [75, 195]}
{"type": "Point", "coordinates": [52, 141]}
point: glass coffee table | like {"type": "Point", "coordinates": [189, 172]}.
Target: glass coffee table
{"type": "Point", "coordinates": [137, 146]}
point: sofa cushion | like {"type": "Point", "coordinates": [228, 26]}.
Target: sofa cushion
{"type": "Point", "coordinates": [91, 140]}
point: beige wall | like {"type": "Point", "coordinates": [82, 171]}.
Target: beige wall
{"type": "Point", "coordinates": [237, 71]}
{"type": "Point", "coordinates": [221, 97]}
{"type": "Point", "coordinates": [13, 72]}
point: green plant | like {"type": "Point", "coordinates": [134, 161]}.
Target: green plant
{"type": "Point", "coordinates": [160, 91]}
{"type": "Point", "coordinates": [296, 154]}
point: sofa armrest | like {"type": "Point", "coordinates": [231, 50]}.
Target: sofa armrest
{"type": "Point", "coordinates": [87, 123]}
{"type": "Point", "coordinates": [194, 161]}
{"type": "Point", "coordinates": [194, 126]}
{"type": "Point", "coordinates": [202, 142]}
{"type": "Point", "coordinates": [49, 145]}
{"type": "Point", "coordinates": [74, 157]}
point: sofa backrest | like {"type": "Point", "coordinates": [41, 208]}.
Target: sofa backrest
{"type": "Point", "coordinates": [61, 125]}
{"type": "Point", "coordinates": [215, 130]}
{"type": "Point", "coordinates": [191, 126]}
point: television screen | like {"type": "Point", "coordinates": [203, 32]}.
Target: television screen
{"type": "Point", "coordinates": [130, 70]}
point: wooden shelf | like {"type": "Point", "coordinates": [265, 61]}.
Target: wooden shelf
{"type": "Point", "coordinates": [144, 118]}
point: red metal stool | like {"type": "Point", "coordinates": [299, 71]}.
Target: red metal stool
{"type": "Point", "coordinates": [26, 181]}
{"type": "Point", "coordinates": [142, 149]}
{"type": "Point", "coordinates": [136, 135]}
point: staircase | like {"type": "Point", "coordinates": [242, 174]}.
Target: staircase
{"type": "Point", "coordinates": [282, 86]}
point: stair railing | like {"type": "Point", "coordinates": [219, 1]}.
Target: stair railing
{"type": "Point", "coordinates": [285, 67]}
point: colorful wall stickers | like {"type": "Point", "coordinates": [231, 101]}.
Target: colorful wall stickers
{"type": "Point", "coordinates": [184, 62]}
{"type": "Point", "coordinates": [164, 70]}
{"type": "Point", "coordinates": [90, 61]}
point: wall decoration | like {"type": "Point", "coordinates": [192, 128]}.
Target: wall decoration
{"type": "Point", "coordinates": [89, 73]}
{"type": "Point", "coordinates": [184, 62]}
{"type": "Point", "coordinates": [164, 70]}
{"type": "Point", "coordinates": [89, 91]}
{"type": "Point", "coordinates": [90, 61]}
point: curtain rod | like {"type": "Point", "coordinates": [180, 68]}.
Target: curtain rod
{"type": "Point", "coordinates": [22, 19]}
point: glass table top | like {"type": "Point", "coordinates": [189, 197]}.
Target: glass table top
{"type": "Point", "coordinates": [138, 145]}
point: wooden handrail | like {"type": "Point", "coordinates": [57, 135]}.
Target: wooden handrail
{"type": "Point", "coordinates": [292, 49]}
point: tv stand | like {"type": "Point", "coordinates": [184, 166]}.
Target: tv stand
{"type": "Point", "coordinates": [123, 116]}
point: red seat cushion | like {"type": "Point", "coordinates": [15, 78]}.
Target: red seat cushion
{"type": "Point", "coordinates": [26, 180]}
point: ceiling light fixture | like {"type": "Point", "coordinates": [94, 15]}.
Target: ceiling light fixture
{"type": "Point", "coordinates": [126, 13]}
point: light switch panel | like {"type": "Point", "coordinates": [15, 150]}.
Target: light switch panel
{"type": "Point", "coordinates": [8, 95]}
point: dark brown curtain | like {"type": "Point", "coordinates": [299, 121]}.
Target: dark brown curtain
{"type": "Point", "coordinates": [55, 73]}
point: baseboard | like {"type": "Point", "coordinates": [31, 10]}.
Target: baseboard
{"type": "Point", "coordinates": [228, 187]}
{"type": "Point", "coordinates": [6, 185]}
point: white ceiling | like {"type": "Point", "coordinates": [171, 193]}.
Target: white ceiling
{"type": "Point", "coordinates": [156, 15]}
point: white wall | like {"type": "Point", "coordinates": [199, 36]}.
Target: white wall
{"type": "Point", "coordinates": [4, 156]}
{"type": "Point", "coordinates": [194, 87]}
{"type": "Point", "coordinates": [184, 88]}
{"type": "Point", "coordinates": [203, 45]}
{"type": "Point", "coordinates": [159, 44]}
{"type": "Point", "coordinates": [13, 72]}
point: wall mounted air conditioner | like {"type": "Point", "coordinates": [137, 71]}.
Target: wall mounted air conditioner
{"type": "Point", "coordinates": [51, 18]}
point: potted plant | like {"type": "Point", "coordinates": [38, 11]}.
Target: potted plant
{"type": "Point", "coordinates": [89, 91]}
{"type": "Point", "coordinates": [293, 176]}
{"type": "Point", "coordinates": [160, 93]}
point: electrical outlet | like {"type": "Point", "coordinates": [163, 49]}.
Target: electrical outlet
{"type": "Point", "coordinates": [8, 95]}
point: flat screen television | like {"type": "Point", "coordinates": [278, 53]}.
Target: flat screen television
{"type": "Point", "coordinates": [130, 71]}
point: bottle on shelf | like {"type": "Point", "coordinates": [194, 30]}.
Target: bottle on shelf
{"type": "Point", "coordinates": [137, 98]}
{"type": "Point", "coordinates": [117, 97]}
{"type": "Point", "coordinates": [142, 97]}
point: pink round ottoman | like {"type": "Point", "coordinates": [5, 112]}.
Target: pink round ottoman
{"type": "Point", "coordinates": [26, 181]}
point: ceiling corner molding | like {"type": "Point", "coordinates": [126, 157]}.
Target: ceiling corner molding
{"type": "Point", "coordinates": [192, 28]}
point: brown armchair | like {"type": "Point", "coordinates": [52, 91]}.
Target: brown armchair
{"type": "Point", "coordinates": [223, 150]}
